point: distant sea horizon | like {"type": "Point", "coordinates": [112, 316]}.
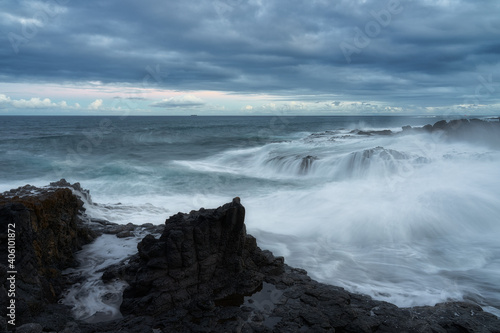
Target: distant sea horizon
{"type": "Point", "coordinates": [443, 116]}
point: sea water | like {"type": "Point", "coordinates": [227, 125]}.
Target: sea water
{"type": "Point", "coordinates": [411, 218]}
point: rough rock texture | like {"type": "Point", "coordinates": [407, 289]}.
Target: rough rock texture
{"type": "Point", "coordinates": [48, 231]}
{"type": "Point", "coordinates": [202, 256]}
{"type": "Point", "coordinates": [204, 274]}
{"type": "Point", "coordinates": [470, 130]}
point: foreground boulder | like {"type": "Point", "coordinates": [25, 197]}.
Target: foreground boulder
{"type": "Point", "coordinates": [203, 257]}
{"type": "Point", "coordinates": [205, 274]}
{"type": "Point", "coordinates": [47, 232]}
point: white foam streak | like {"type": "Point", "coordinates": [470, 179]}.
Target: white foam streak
{"type": "Point", "coordinates": [317, 157]}
{"type": "Point", "coordinates": [151, 209]}
{"type": "Point", "coordinates": [412, 219]}
{"type": "Point", "coordinates": [91, 299]}
{"type": "Point", "coordinates": [413, 223]}
{"type": "Point", "coordinates": [405, 238]}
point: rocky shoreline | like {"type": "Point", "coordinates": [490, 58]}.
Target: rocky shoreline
{"type": "Point", "coordinates": [202, 272]}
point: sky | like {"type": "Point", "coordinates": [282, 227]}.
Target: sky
{"type": "Point", "coordinates": [250, 57]}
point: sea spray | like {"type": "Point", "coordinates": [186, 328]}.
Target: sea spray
{"type": "Point", "coordinates": [412, 239]}
{"type": "Point", "coordinates": [91, 299]}
{"type": "Point", "coordinates": [410, 217]}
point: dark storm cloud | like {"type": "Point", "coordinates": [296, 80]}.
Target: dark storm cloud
{"type": "Point", "coordinates": [422, 52]}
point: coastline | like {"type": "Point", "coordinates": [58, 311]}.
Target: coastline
{"type": "Point", "coordinates": [242, 288]}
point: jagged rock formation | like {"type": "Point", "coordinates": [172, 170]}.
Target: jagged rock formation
{"type": "Point", "coordinates": [195, 277]}
{"type": "Point", "coordinates": [473, 130]}
{"type": "Point", "coordinates": [202, 256]}
{"type": "Point", "coordinates": [48, 232]}
{"type": "Point", "coordinates": [203, 274]}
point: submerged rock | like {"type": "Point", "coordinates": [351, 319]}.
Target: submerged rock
{"type": "Point", "coordinates": [306, 163]}
{"type": "Point", "coordinates": [382, 132]}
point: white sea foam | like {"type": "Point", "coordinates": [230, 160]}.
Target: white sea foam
{"type": "Point", "coordinates": [419, 234]}
{"type": "Point", "coordinates": [411, 220]}
{"type": "Point", "coordinates": [408, 218]}
{"type": "Point", "coordinates": [91, 299]}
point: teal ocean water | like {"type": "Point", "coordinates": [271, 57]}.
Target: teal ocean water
{"type": "Point", "coordinates": [410, 218]}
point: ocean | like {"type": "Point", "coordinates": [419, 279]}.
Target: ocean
{"type": "Point", "coordinates": [410, 218]}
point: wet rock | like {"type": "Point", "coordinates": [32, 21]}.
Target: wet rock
{"type": "Point", "coordinates": [200, 257]}
{"type": "Point", "coordinates": [474, 131]}
{"type": "Point", "coordinates": [124, 234]}
{"type": "Point", "coordinates": [368, 133]}
{"type": "Point", "coordinates": [48, 231]}
{"type": "Point", "coordinates": [427, 127]}
{"type": "Point", "coordinates": [469, 130]}
{"type": "Point", "coordinates": [306, 163]}
{"type": "Point", "coordinates": [442, 124]}
{"type": "Point", "coordinates": [30, 328]}
{"type": "Point", "coordinates": [211, 276]}
{"type": "Point", "coordinates": [203, 274]}
{"type": "Point", "coordinates": [71, 327]}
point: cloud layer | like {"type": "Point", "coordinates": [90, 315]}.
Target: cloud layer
{"type": "Point", "coordinates": [406, 54]}
{"type": "Point", "coordinates": [185, 101]}
{"type": "Point", "coordinates": [33, 103]}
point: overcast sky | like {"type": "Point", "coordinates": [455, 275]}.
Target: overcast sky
{"type": "Point", "coordinates": [250, 57]}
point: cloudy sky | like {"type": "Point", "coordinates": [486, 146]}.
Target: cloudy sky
{"type": "Point", "coordinates": [325, 57]}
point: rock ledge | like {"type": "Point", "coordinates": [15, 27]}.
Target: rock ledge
{"type": "Point", "coordinates": [203, 274]}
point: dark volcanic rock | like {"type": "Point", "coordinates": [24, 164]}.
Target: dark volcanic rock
{"type": "Point", "coordinates": [203, 274]}
{"type": "Point", "coordinates": [202, 256]}
{"type": "Point", "coordinates": [427, 127]}
{"type": "Point", "coordinates": [48, 231]}
{"type": "Point", "coordinates": [473, 130]}
{"type": "Point", "coordinates": [306, 163]}
{"type": "Point", "coordinates": [468, 130]}
{"type": "Point", "coordinates": [382, 132]}
{"type": "Point", "coordinates": [442, 124]}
